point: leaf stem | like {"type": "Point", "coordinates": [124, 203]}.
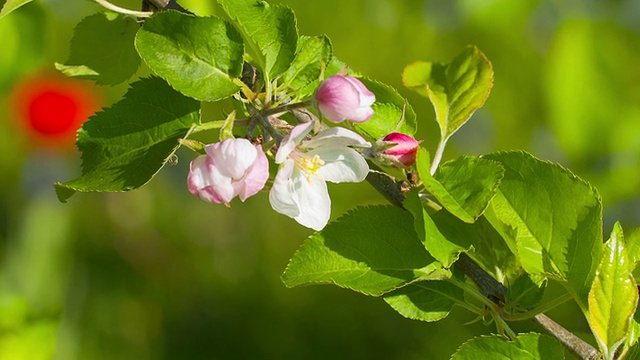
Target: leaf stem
{"type": "Point", "coordinates": [209, 126]}
{"type": "Point", "coordinates": [540, 309]}
{"type": "Point", "coordinates": [118, 9]}
{"type": "Point", "coordinates": [437, 157]}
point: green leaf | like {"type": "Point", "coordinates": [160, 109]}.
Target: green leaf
{"type": "Point", "coordinates": [613, 297]}
{"type": "Point", "coordinates": [550, 218]}
{"type": "Point", "coordinates": [333, 67]}
{"type": "Point", "coordinates": [529, 346]}
{"type": "Point", "coordinates": [387, 112]}
{"type": "Point", "coordinates": [10, 5]}
{"type": "Point", "coordinates": [115, 59]}
{"type": "Point", "coordinates": [425, 300]}
{"type": "Point", "coordinates": [269, 31]}
{"type": "Point", "coordinates": [456, 90]}
{"type": "Point", "coordinates": [124, 146]}
{"type": "Point", "coordinates": [198, 56]}
{"type": "Point", "coordinates": [463, 186]}
{"type": "Point", "coordinates": [527, 291]}
{"type": "Point", "coordinates": [312, 56]}
{"type": "Point", "coordinates": [372, 250]}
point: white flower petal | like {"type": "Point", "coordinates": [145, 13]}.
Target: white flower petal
{"type": "Point", "coordinates": [293, 138]}
{"type": "Point", "coordinates": [341, 164]}
{"type": "Point", "coordinates": [313, 201]}
{"type": "Point", "coordinates": [335, 136]}
{"type": "Point", "coordinates": [281, 195]}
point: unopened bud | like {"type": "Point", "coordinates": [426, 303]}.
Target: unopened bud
{"type": "Point", "coordinates": [342, 98]}
{"type": "Point", "coordinates": [396, 150]}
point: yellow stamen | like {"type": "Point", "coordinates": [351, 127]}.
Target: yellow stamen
{"type": "Point", "coordinates": [309, 165]}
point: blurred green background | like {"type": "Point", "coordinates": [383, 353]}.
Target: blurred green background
{"type": "Point", "coordinates": [158, 274]}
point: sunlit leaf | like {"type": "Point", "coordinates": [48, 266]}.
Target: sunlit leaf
{"type": "Point", "coordinates": [613, 297]}
{"type": "Point", "coordinates": [333, 67]}
{"type": "Point", "coordinates": [372, 250]}
{"type": "Point", "coordinates": [445, 237]}
{"type": "Point", "coordinates": [269, 32]}
{"type": "Point", "coordinates": [198, 56]}
{"type": "Point", "coordinates": [529, 346]}
{"type": "Point", "coordinates": [550, 218]}
{"type": "Point", "coordinates": [425, 300]}
{"type": "Point", "coordinates": [102, 49]}
{"type": "Point", "coordinates": [456, 90]}
{"type": "Point", "coordinates": [127, 144]}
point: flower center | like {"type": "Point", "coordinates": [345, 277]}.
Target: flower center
{"type": "Point", "coordinates": [308, 164]}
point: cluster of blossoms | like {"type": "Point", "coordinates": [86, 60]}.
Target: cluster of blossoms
{"type": "Point", "coordinates": [306, 159]}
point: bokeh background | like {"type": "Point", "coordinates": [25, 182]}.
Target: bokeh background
{"type": "Point", "coordinates": [158, 274]}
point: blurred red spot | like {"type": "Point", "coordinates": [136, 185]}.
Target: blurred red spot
{"type": "Point", "coordinates": [51, 108]}
{"type": "Point", "coordinates": [52, 112]}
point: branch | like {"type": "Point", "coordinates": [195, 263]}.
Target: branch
{"type": "Point", "coordinates": [493, 289]}
{"type": "Point", "coordinates": [567, 338]}
{"type": "Point", "coordinates": [490, 287]}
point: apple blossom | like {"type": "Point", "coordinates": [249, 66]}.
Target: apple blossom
{"type": "Point", "coordinates": [342, 98]}
{"type": "Point", "coordinates": [299, 189]}
{"type": "Point", "coordinates": [233, 167]}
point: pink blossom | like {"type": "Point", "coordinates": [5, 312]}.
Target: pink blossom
{"type": "Point", "coordinates": [342, 98]}
{"type": "Point", "coordinates": [231, 168]}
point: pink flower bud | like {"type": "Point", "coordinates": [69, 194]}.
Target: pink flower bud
{"type": "Point", "coordinates": [231, 168]}
{"type": "Point", "coordinates": [344, 98]}
{"type": "Point", "coordinates": [398, 150]}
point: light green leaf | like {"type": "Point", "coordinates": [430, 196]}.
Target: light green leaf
{"type": "Point", "coordinates": [372, 250]}
{"type": "Point", "coordinates": [456, 90]}
{"type": "Point", "coordinates": [269, 31]}
{"type": "Point", "coordinates": [387, 112]}
{"type": "Point", "coordinates": [463, 186]}
{"type": "Point", "coordinates": [632, 246]}
{"type": "Point", "coordinates": [312, 56]}
{"type": "Point", "coordinates": [115, 59]}
{"type": "Point", "coordinates": [529, 346]}
{"type": "Point", "coordinates": [613, 297]}
{"type": "Point", "coordinates": [550, 218]}
{"type": "Point", "coordinates": [10, 5]}
{"type": "Point", "coordinates": [79, 71]}
{"type": "Point", "coordinates": [198, 56]}
{"type": "Point", "coordinates": [124, 146]}
{"type": "Point", "coordinates": [425, 300]}
{"type": "Point", "coordinates": [445, 237]}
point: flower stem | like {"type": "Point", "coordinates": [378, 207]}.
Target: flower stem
{"type": "Point", "coordinates": [118, 9]}
{"type": "Point", "coordinates": [286, 108]}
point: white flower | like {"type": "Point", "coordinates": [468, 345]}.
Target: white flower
{"type": "Point", "coordinates": [299, 189]}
